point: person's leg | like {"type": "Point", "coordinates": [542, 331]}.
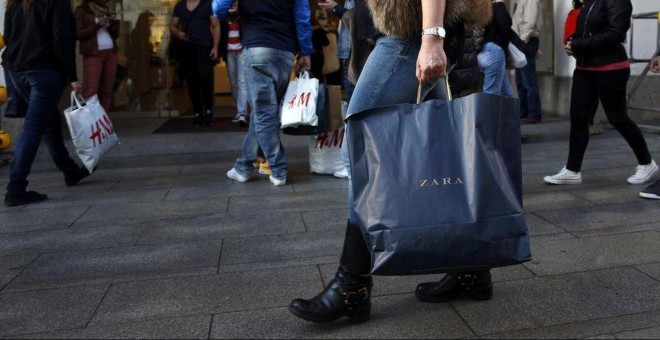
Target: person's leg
{"type": "Point", "coordinates": [110, 60]}
{"type": "Point", "coordinates": [267, 75]}
{"type": "Point", "coordinates": [92, 75]}
{"type": "Point", "coordinates": [241, 94]}
{"type": "Point", "coordinates": [492, 63]}
{"type": "Point", "coordinates": [612, 90]}
{"type": "Point", "coordinates": [522, 93]}
{"type": "Point", "coordinates": [583, 93]}
{"type": "Point", "coordinates": [189, 70]}
{"type": "Point", "coordinates": [531, 96]}
{"type": "Point", "coordinates": [44, 91]}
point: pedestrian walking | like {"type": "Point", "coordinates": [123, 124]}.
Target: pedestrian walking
{"type": "Point", "coordinates": [401, 59]}
{"type": "Point", "coordinates": [653, 190]}
{"type": "Point", "coordinates": [527, 24]}
{"type": "Point", "coordinates": [41, 60]}
{"type": "Point", "coordinates": [602, 72]}
{"type": "Point", "coordinates": [273, 33]}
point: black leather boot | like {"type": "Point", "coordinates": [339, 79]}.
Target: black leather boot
{"type": "Point", "coordinates": [473, 285]}
{"type": "Point", "coordinates": [349, 293]}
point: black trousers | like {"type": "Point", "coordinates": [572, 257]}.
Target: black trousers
{"type": "Point", "coordinates": [610, 88]}
{"type": "Point", "coordinates": [197, 70]}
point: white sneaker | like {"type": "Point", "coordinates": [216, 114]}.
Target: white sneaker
{"type": "Point", "coordinates": [277, 182]}
{"type": "Point", "coordinates": [233, 174]}
{"type": "Point", "coordinates": [564, 176]}
{"type": "Point", "coordinates": [343, 173]}
{"type": "Point", "coordinates": [643, 173]}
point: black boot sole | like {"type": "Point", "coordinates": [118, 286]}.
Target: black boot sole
{"type": "Point", "coordinates": [359, 315]}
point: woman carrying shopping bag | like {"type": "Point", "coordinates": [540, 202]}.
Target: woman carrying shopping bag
{"type": "Point", "coordinates": [401, 60]}
{"type": "Point", "coordinates": [41, 59]}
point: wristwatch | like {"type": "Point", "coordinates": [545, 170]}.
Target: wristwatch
{"type": "Point", "coordinates": [437, 31]}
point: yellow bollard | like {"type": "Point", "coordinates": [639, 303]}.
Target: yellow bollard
{"type": "Point", "coordinates": [5, 140]}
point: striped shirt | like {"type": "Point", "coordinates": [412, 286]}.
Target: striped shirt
{"type": "Point", "coordinates": [234, 38]}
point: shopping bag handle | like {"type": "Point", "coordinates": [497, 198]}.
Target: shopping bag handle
{"type": "Point", "coordinates": [75, 100]}
{"type": "Point", "coordinates": [303, 75]}
{"type": "Point", "coordinates": [419, 90]}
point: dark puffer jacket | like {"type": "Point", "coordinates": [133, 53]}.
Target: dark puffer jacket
{"type": "Point", "coordinates": [466, 78]}
{"type": "Point", "coordinates": [601, 30]}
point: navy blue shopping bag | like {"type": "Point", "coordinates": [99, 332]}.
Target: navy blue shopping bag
{"type": "Point", "coordinates": [438, 185]}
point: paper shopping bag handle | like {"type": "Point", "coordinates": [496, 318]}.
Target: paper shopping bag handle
{"type": "Point", "coordinates": [75, 100]}
{"type": "Point", "coordinates": [419, 90]}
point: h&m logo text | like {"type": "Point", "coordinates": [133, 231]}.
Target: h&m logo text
{"type": "Point", "coordinates": [436, 182]}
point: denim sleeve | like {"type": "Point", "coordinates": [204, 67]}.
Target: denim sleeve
{"type": "Point", "coordinates": [221, 8]}
{"type": "Point", "coordinates": [303, 26]}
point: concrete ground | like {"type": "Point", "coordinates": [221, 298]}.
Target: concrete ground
{"type": "Point", "coordinates": [160, 244]}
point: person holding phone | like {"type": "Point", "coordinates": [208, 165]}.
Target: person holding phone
{"type": "Point", "coordinates": [97, 31]}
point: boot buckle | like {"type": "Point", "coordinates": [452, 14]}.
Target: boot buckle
{"type": "Point", "coordinates": [356, 296]}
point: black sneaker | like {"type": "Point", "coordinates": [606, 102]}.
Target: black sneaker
{"type": "Point", "coordinates": [23, 199]}
{"type": "Point", "coordinates": [75, 177]}
{"type": "Point", "coordinates": [652, 191]}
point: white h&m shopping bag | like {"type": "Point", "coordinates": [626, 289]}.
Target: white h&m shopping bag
{"type": "Point", "coordinates": [91, 130]}
{"type": "Point", "coordinates": [299, 103]}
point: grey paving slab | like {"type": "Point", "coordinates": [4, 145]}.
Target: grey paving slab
{"type": "Point", "coordinates": [11, 266]}
{"type": "Point", "coordinates": [392, 317]}
{"type": "Point", "coordinates": [313, 182]}
{"type": "Point", "coordinates": [299, 262]}
{"type": "Point", "coordinates": [612, 194]}
{"type": "Point", "coordinates": [20, 220]}
{"type": "Point", "coordinates": [212, 294]}
{"type": "Point", "coordinates": [564, 299]}
{"type": "Point", "coordinates": [581, 329]}
{"type": "Point", "coordinates": [219, 226]}
{"type": "Point", "coordinates": [333, 219]}
{"type": "Point", "coordinates": [154, 210]}
{"type": "Point", "coordinates": [651, 269]}
{"type": "Point", "coordinates": [124, 261]}
{"type": "Point", "coordinates": [303, 201]}
{"type": "Point", "coordinates": [605, 216]}
{"type": "Point", "coordinates": [622, 229]}
{"type": "Point", "coordinates": [48, 310]}
{"type": "Point", "coordinates": [195, 327]}
{"type": "Point", "coordinates": [281, 247]}
{"type": "Point", "coordinates": [75, 238]}
{"type": "Point", "coordinates": [566, 256]}
{"type": "Point", "coordinates": [537, 226]}
{"type": "Point", "coordinates": [83, 198]}
{"type": "Point", "coordinates": [647, 333]}
{"type": "Point", "coordinates": [534, 183]}
{"type": "Point", "coordinates": [224, 188]}
{"type": "Point", "coordinates": [552, 201]}
{"type": "Point", "coordinates": [171, 181]}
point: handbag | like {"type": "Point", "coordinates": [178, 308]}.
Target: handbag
{"type": "Point", "coordinates": [322, 112]}
{"type": "Point", "coordinates": [438, 186]}
{"type": "Point", "coordinates": [91, 131]}
{"type": "Point", "coordinates": [517, 58]}
{"type": "Point", "coordinates": [299, 103]}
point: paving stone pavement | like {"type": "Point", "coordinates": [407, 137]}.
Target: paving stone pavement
{"type": "Point", "coordinates": [160, 244]}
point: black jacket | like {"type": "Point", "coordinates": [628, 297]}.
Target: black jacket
{"type": "Point", "coordinates": [42, 39]}
{"type": "Point", "coordinates": [601, 30]}
{"type": "Point", "coordinates": [499, 31]}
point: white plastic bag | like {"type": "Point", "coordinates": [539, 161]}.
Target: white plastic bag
{"type": "Point", "coordinates": [91, 130]}
{"type": "Point", "coordinates": [325, 152]}
{"type": "Point", "coordinates": [299, 103]}
{"type": "Point", "coordinates": [518, 59]}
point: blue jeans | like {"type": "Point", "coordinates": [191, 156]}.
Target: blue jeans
{"type": "Point", "coordinates": [42, 90]}
{"type": "Point", "coordinates": [528, 87]}
{"type": "Point", "coordinates": [267, 73]}
{"type": "Point", "coordinates": [388, 78]}
{"type": "Point", "coordinates": [492, 62]}
{"type": "Point", "coordinates": [237, 81]}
